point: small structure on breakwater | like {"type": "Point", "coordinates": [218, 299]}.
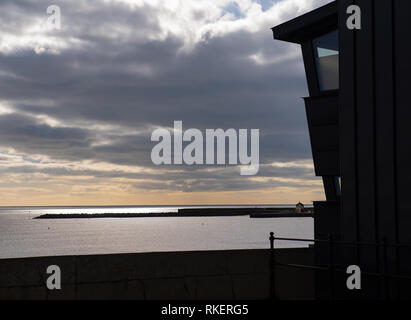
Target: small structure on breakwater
{"type": "Point", "coordinates": [299, 208]}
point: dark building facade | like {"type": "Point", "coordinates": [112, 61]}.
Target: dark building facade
{"type": "Point", "coordinates": [358, 112]}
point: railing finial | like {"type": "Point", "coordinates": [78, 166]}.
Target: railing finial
{"type": "Point", "coordinates": [272, 238]}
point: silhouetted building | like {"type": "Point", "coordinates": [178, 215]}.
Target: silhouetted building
{"type": "Point", "coordinates": [358, 112]}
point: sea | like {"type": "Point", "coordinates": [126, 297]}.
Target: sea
{"type": "Point", "coordinates": [23, 236]}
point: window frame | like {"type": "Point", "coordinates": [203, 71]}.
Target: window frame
{"type": "Point", "coordinates": [315, 60]}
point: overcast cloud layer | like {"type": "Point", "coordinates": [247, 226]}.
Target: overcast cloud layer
{"type": "Point", "coordinates": [78, 105]}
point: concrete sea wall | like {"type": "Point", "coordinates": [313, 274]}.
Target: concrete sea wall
{"type": "Point", "coordinates": [237, 274]}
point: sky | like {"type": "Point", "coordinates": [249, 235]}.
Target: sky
{"type": "Point", "coordinates": [78, 105]}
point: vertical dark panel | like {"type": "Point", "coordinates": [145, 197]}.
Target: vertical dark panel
{"type": "Point", "coordinates": [403, 114]}
{"type": "Point", "coordinates": [310, 70]}
{"type": "Point", "coordinates": [384, 133]}
{"type": "Point", "coordinates": [402, 48]}
{"type": "Point", "coordinates": [365, 142]}
{"type": "Point", "coordinates": [347, 125]}
{"type": "Point", "coordinates": [365, 122]}
{"type": "Point", "coordinates": [384, 118]}
{"type": "Point", "coordinates": [330, 187]}
{"type": "Point", "coordinates": [348, 140]}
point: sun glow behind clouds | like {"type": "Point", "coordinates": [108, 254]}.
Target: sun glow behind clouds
{"type": "Point", "coordinates": [40, 178]}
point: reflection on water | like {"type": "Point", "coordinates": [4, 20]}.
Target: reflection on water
{"type": "Point", "coordinates": [22, 236]}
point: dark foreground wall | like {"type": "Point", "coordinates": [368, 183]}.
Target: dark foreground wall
{"type": "Point", "coordinates": [241, 274]}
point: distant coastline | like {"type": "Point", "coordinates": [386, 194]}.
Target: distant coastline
{"type": "Point", "coordinates": [197, 212]}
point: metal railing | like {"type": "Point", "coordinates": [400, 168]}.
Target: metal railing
{"type": "Point", "coordinates": [332, 267]}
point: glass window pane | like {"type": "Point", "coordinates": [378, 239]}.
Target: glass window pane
{"type": "Point", "coordinates": [326, 58]}
{"type": "Point", "coordinates": [338, 185]}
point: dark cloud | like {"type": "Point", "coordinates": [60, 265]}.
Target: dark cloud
{"type": "Point", "coordinates": [115, 74]}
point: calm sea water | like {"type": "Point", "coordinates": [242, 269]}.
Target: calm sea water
{"type": "Point", "coordinates": [23, 236]}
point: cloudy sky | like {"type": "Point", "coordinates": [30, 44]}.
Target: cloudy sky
{"type": "Point", "coordinates": [78, 105]}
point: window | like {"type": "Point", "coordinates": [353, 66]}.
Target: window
{"type": "Point", "coordinates": [326, 59]}
{"type": "Point", "coordinates": [338, 185]}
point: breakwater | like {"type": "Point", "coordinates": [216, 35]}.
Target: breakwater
{"type": "Point", "coordinates": [197, 212]}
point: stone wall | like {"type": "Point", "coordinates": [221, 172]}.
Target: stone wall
{"type": "Point", "coordinates": [239, 274]}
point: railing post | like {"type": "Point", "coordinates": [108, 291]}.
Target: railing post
{"type": "Point", "coordinates": [331, 264]}
{"type": "Point", "coordinates": [385, 268]}
{"type": "Point", "coordinates": [272, 266]}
